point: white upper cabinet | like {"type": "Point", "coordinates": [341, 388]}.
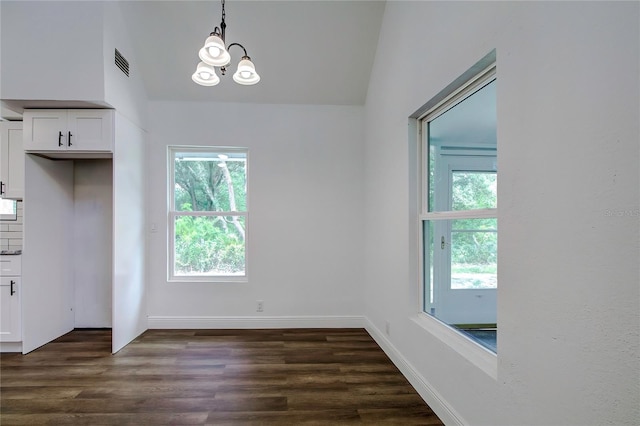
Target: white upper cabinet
{"type": "Point", "coordinates": [11, 160]}
{"type": "Point", "coordinates": [72, 130]}
{"type": "Point", "coordinates": [45, 130]}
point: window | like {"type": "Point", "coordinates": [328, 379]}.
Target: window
{"type": "Point", "coordinates": [207, 214]}
{"type": "Point", "coordinates": [459, 209]}
{"type": "Point", "coordinates": [8, 210]}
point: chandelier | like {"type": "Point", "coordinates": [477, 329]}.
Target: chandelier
{"type": "Point", "coordinates": [215, 54]}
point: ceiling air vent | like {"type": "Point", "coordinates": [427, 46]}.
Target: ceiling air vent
{"type": "Point", "coordinates": [122, 63]}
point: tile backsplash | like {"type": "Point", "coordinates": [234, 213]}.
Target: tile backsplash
{"type": "Point", "coordinates": [11, 231]}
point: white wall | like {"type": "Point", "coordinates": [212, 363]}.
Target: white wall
{"type": "Point", "coordinates": [52, 50]}
{"type": "Point", "coordinates": [1, 104]}
{"type": "Point", "coordinates": [125, 93]}
{"type": "Point", "coordinates": [92, 242]}
{"type": "Point", "coordinates": [568, 300]}
{"type": "Point", "coordinates": [305, 215]}
{"type": "Point", "coordinates": [63, 52]}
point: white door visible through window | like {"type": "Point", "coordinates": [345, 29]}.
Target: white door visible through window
{"type": "Point", "coordinates": [465, 255]}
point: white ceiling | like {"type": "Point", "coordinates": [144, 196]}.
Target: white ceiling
{"type": "Point", "coordinates": [306, 51]}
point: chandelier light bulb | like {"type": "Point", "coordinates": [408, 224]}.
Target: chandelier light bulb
{"type": "Point", "coordinates": [214, 51]}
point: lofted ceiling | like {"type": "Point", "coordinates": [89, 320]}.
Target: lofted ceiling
{"type": "Point", "coordinates": [306, 51]}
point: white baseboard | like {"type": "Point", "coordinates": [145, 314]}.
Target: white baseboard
{"type": "Point", "coordinates": [443, 410]}
{"type": "Point", "coordinates": [10, 346]}
{"type": "Point", "coordinates": [178, 322]}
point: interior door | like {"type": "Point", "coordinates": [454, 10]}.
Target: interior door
{"type": "Point", "coordinates": [465, 249]}
{"type": "Point", "coordinates": [47, 279]}
{"type": "Point", "coordinates": [129, 234]}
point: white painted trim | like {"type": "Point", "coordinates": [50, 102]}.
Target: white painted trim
{"type": "Point", "coordinates": [203, 322]}
{"type": "Point", "coordinates": [460, 214]}
{"type": "Point", "coordinates": [204, 214]}
{"type": "Point", "coordinates": [10, 346]}
{"type": "Point", "coordinates": [461, 93]}
{"type": "Point", "coordinates": [438, 404]}
{"type": "Point", "coordinates": [478, 355]}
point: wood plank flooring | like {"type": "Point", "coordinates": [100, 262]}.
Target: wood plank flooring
{"type": "Point", "coordinates": [209, 377]}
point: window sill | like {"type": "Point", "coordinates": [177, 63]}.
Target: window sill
{"type": "Point", "coordinates": [479, 356]}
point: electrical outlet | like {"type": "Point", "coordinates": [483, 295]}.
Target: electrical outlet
{"type": "Point", "coordinates": [259, 306]}
{"type": "Point", "coordinates": [387, 328]}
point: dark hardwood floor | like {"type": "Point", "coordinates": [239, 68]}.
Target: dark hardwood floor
{"type": "Point", "coordinates": [209, 377]}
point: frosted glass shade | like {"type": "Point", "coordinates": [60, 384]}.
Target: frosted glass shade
{"type": "Point", "coordinates": [205, 75]}
{"type": "Point", "coordinates": [214, 52]}
{"type": "Point", "coordinates": [246, 73]}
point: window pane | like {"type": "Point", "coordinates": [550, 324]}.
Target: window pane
{"type": "Point", "coordinates": [474, 190]}
{"type": "Point", "coordinates": [8, 210]}
{"type": "Point", "coordinates": [474, 256]}
{"type": "Point", "coordinates": [490, 224]}
{"type": "Point", "coordinates": [209, 245]}
{"type": "Point", "coordinates": [210, 181]}
{"type": "Point", "coordinates": [460, 270]}
{"type": "Point", "coordinates": [466, 129]}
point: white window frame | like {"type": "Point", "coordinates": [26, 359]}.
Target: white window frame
{"type": "Point", "coordinates": [465, 91]}
{"type": "Point", "coordinates": [462, 87]}
{"type": "Point", "coordinates": [173, 213]}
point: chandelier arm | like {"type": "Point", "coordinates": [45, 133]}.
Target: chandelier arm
{"type": "Point", "coordinates": [238, 44]}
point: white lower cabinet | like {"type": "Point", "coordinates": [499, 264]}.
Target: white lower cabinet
{"type": "Point", "coordinates": [10, 308]}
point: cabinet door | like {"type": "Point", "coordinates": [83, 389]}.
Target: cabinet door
{"type": "Point", "coordinates": [11, 160]}
{"type": "Point", "coordinates": [10, 325]}
{"type": "Point", "coordinates": [90, 130]}
{"type": "Point", "coordinates": [45, 130]}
